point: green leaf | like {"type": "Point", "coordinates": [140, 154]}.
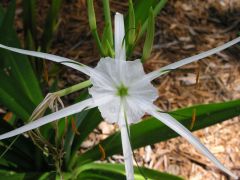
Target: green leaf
{"type": "Point", "coordinates": [8, 19]}
{"type": "Point", "coordinates": [91, 15]}
{"type": "Point", "coordinates": [131, 24]}
{"type": "Point", "coordinates": [29, 23]}
{"type": "Point", "coordinates": [108, 50]}
{"type": "Point", "coordinates": [79, 118]}
{"type": "Point", "coordinates": [93, 26]}
{"type": "Point", "coordinates": [21, 152]}
{"type": "Point", "coordinates": [111, 52]}
{"type": "Point", "coordinates": [18, 82]}
{"type": "Point", "coordinates": [10, 102]}
{"type": "Point", "coordinates": [29, 15]}
{"type": "Point", "coordinates": [108, 21]}
{"type": "Point", "coordinates": [1, 14]}
{"type": "Point", "coordinates": [71, 136]}
{"type": "Point", "coordinates": [51, 24]}
{"type": "Point", "coordinates": [151, 131]}
{"type": "Point", "coordinates": [29, 41]}
{"type": "Point", "coordinates": [89, 123]}
{"type": "Point", "coordinates": [11, 175]}
{"type": "Point", "coordinates": [23, 75]}
{"type": "Point", "coordinates": [106, 170]}
{"type": "Point", "coordinates": [141, 11]}
{"type": "Point", "coordinates": [19, 65]}
{"type": "Point", "coordinates": [19, 91]}
{"type": "Point", "coordinates": [130, 29]}
{"type": "Point", "coordinates": [19, 86]}
{"type": "Point", "coordinates": [90, 175]}
{"type": "Point", "coordinates": [16, 158]}
{"type": "Point", "coordinates": [147, 48]}
{"type": "Point", "coordinates": [142, 15]}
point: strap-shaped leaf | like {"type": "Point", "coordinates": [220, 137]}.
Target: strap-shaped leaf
{"type": "Point", "coordinates": [18, 65]}
{"type": "Point", "coordinates": [51, 24]}
{"type": "Point", "coordinates": [141, 11]}
{"type": "Point", "coordinates": [108, 171]}
{"type": "Point", "coordinates": [89, 123]}
{"type": "Point", "coordinates": [21, 151]}
{"type": "Point", "coordinates": [151, 131]}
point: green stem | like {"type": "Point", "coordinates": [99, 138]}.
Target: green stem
{"type": "Point", "coordinates": [74, 88]}
{"type": "Point", "coordinates": [99, 44]}
{"type": "Point", "coordinates": [93, 26]}
{"type": "Point", "coordinates": [108, 20]}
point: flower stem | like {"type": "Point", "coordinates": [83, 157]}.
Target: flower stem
{"type": "Point", "coordinates": [73, 88]}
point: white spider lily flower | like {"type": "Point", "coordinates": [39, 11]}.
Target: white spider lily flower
{"type": "Point", "coordinates": [123, 93]}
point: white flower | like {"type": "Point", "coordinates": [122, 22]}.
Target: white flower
{"type": "Point", "coordinates": [117, 85]}
{"type": "Point", "coordinates": [123, 93]}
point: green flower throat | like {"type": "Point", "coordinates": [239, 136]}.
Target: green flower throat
{"type": "Point", "coordinates": [122, 91]}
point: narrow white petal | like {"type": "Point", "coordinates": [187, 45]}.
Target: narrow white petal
{"type": "Point", "coordinates": [184, 132]}
{"type": "Point", "coordinates": [188, 60]}
{"type": "Point", "coordinates": [65, 61]}
{"type": "Point", "coordinates": [50, 118]}
{"type": "Point", "coordinates": [126, 146]}
{"type": "Point", "coordinates": [119, 34]}
{"type": "Point", "coordinates": [127, 153]}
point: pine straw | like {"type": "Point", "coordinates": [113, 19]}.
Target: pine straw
{"type": "Point", "coordinates": [184, 28]}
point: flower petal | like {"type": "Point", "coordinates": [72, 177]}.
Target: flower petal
{"type": "Point", "coordinates": [119, 34]}
{"type": "Point", "coordinates": [126, 146]}
{"type": "Point", "coordinates": [188, 60]}
{"type": "Point", "coordinates": [110, 109]}
{"type": "Point", "coordinates": [65, 61]}
{"type": "Point", "coordinates": [133, 110]}
{"type": "Point", "coordinates": [133, 71]}
{"type": "Point", "coordinates": [184, 132]}
{"type": "Point", "coordinates": [105, 73]}
{"type": "Point", "coordinates": [50, 118]}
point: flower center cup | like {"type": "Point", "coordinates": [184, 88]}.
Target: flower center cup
{"type": "Point", "coordinates": [122, 91]}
